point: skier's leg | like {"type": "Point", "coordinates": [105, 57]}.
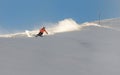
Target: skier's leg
{"type": "Point", "coordinates": [40, 34]}
{"type": "Point", "coordinates": [36, 35]}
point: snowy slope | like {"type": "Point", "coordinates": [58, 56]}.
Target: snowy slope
{"type": "Point", "coordinates": [88, 49]}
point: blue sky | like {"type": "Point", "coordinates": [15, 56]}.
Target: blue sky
{"type": "Point", "coordinates": [25, 14]}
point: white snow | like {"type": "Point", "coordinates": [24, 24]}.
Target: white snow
{"type": "Point", "coordinates": [76, 49]}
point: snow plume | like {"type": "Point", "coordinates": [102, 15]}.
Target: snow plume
{"type": "Point", "coordinates": [65, 25]}
{"type": "Point", "coordinates": [68, 25]}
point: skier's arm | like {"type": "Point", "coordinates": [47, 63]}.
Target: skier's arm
{"type": "Point", "coordinates": [46, 32]}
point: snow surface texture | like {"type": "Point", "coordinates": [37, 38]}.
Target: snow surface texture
{"type": "Point", "coordinates": [80, 49]}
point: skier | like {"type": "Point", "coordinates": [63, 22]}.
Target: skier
{"type": "Point", "coordinates": [42, 30]}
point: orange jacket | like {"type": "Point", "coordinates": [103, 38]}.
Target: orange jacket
{"type": "Point", "coordinates": [43, 30]}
